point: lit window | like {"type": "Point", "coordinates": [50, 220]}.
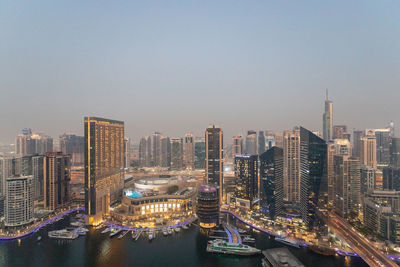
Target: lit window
{"type": "Point", "coordinates": [152, 206]}
{"type": "Point", "coordinates": [179, 205]}
{"type": "Point", "coordinates": [147, 207]}
{"type": "Point", "coordinates": [143, 212]}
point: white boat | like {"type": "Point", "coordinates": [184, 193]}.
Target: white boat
{"type": "Point", "coordinates": [77, 224]}
{"type": "Point", "coordinates": [81, 231]}
{"type": "Point", "coordinates": [106, 230]}
{"type": "Point", "coordinates": [58, 219]}
{"type": "Point", "coordinates": [136, 234]}
{"type": "Point", "coordinates": [177, 229]}
{"type": "Point", "coordinates": [123, 234]}
{"type": "Point", "coordinates": [62, 234]}
{"type": "Point", "coordinates": [185, 227]}
{"type": "Point", "coordinates": [249, 239]}
{"type": "Point", "coordinates": [38, 238]}
{"type": "Point", "coordinates": [287, 241]}
{"type": "Point", "coordinates": [151, 235]}
{"type": "Point", "coordinates": [115, 231]}
{"type": "Point", "coordinates": [223, 247]}
{"type": "Point", "coordinates": [165, 231]}
{"type": "Point", "coordinates": [169, 230]}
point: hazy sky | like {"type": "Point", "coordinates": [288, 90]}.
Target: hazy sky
{"type": "Point", "coordinates": [175, 66]}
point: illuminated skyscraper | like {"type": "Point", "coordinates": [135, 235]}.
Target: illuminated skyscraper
{"type": "Point", "coordinates": [56, 180]}
{"type": "Point", "coordinates": [37, 172]}
{"type": "Point", "coordinates": [104, 162]}
{"type": "Point", "coordinates": [383, 144]}
{"type": "Point", "coordinates": [328, 119]}
{"type": "Point", "coordinates": [356, 143]}
{"type": "Point", "coordinates": [127, 152]}
{"type": "Point", "coordinates": [189, 151]}
{"type": "Point", "coordinates": [237, 146]}
{"type": "Point", "coordinates": [331, 173]}
{"type": "Point", "coordinates": [314, 180]}
{"type": "Point", "coordinates": [271, 182]}
{"type": "Point", "coordinates": [347, 186]}
{"type": "Point", "coordinates": [395, 152]}
{"type": "Point", "coordinates": [19, 201]}
{"type": "Point", "coordinates": [291, 165]}
{"type": "Point", "coordinates": [246, 178]}
{"type": "Point", "coordinates": [215, 158]}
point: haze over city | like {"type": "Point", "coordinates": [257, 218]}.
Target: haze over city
{"type": "Point", "coordinates": [179, 66]}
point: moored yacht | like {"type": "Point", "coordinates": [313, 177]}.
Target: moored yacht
{"type": "Point", "coordinates": [62, 234]}
{"type": "Point", "coordinates": [218, 246]}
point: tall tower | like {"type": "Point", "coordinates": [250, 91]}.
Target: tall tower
{"type": "Point", "coordinates": [314, 180]}
{"type": "Point", "coordinates": [237, 146]}
{"type": "Point", "coordinates": [368, 150]}
{"type": "Point", "coordinates": [56, 178]}
{"type": "Point", "coordinates": [261, 142]}
{"type": "Point", "coordinates": [214, 173]}
{"type": "Point", "coordinates": [251, 143]}
{"type": "Point", "coordinates": [176, 153]}
{"type": "Point", "coordinates": [271, 182]}
{"type": "Point", "coordinates": [189, 151]}
{"type": "Point", "coordinates": [328, 119]}
{"type": "Point", "coordinates": [246, 177]}
{"type": "Point", "coordinates": [104, 162]}
{"type": "Point", "coordinates": [291, 165]}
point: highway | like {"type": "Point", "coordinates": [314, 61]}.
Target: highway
{"type": "Point", "coordinates": [371, 255]}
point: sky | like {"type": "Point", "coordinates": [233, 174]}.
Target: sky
{"type": "Point", "coordinates": [178, 66]}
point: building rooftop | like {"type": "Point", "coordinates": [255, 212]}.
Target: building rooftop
{"type": "Point", "coordinates": [281, 257]}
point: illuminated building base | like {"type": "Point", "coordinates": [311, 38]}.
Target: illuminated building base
{"type": "Point", "coordinates": [94, 220]}
{"type": "Point", "coordinates": [208, 225]}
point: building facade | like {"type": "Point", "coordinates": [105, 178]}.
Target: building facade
{"type": "Point", "coordinates": [214, 172]}
{"type": "Point", "coordinates": [246, 177]}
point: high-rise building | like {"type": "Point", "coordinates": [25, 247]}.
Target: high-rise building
{"type": "Point", "coordinates": [391, 178]}
{"type": "Point", "coordinates": [199, 153]}
{"type": "Point", "coordinates": [368, 179]}
{"type": "Point", "coordinates": [214, 172]}
{"type": "Point", "coordinates": [347, 186]}
{"type": "Point", "coordinates": [278, 138]}
{"type": "Point", "coordinates": [208, 206]}
{"type": "Point", "coordinates": [19, 201]}
{"type": "Point", "coordinates": [251, 143]}
{"type": "Point", "coordinates": [71, 144]}
{"type": "Point", "coordinates": [342, 147]}
{"type": "Point", "coordinates": [313, 181]}
{"type": "Point", "coordinates": [56, 180]}
{"type": "Point", "coordinates": [328, 119]}
{"type": "Point", "coordinates": [237, 146]}
{"type": "Point", "coordinates": [24, 145]}
{"type": "Point", "coordinates": [271, 182]}
{"type": "Point", "coordinates": [156, 151]}
{"type": "Point", "coordinates": [339, 131]}
{"type": "Point", "coordinates": [176, 153]}
{"type": "Point", "coordinates": [383, 144]}
{"type": "Point", "coordinates": [261, 142]}
{"type": "Point", "coordinates": [395, 152]}
{"type": "Point", "coordinates": [7, 169]}
{"type": "Point", "coordinates": [127, 152]}
{"type": "Point", "coordinates": [42, 143]}
{"type": "Point", "coordinates": [165, 152]}
{"type": "Point", "coordinates": [104, 162]}
{"type": "Point", "coordinates": [22, 166]}
{"type": "Point", "coordinates": [269, 141]}
{"type": "Point", "coordinates": [145, 147]}
{"type": "Point", "coordinates": [189, 151]}
{"type": "Point", "coordinates": [368, 150]}
{"type": "Point", "coordinates": [331, 173]}
{"type": "Point", "coordinates": [246, 178]}
{"type": "Point", "coordinates": [357, 135]}
{"type": "Point", "coordinates": [291, 165]}
{"type": "Point", "coordinates": [37, 173]}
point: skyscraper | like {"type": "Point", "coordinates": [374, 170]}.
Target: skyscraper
{"type": "Point", "coordinates": [246, 178]}
{"type": "Point", "coordinates": [339, 131]}
{"type": "Point", "coordinates": [73, 145]}
{"type": "Point", "coordinates": [237, 146]}
{"type": "Point", "coordinates": [19, 201]}
{"type": "Point", "coordinates": [261, 142]}
{"type": "Point", "coordinates": [189, 151]}
{"type": "Point", "coordinates": [37, 172]}
{"type": "Point", "coordinates": [368, 149]}
{"type": "Point", "coordinates": [156, 151]}
{"type": "Point", "coordinates": [165, 152]}
{"type": "Point", "coordinates": [328, 119]}
{"type": "Point", "coordinates": [56, 179]}
{"type": "Point", "coordinates": [176, 153]}
{"type": "Point", "coordinates": [251, 143]}
{"type": "Point", "coordinates": [395, 152]}
{"type": "Point", "coordinates": [383, 144]}
{"type": "Point", "coordinates": [127, 152]}
{"type": "Point", "coordinates": [347, 186]}
{"type": "Point", "coordinates": [199, 153]}
{"type": "Point", "coordinates": [271, 182]}
{"type": "Point", "coordinates": [313, 181]}
{"type": "Point", "coordinates": [104, 161]}
{"type": "Point", "coordinates": [291, 165]}
{"type": "Point", "coordinates": [24, 145]}
{"type": "Point", "coordinates": [331, 173]}
{"type": "Point", "coordinates": [356, 143]}
{"type": "Point", "coordinates": [214, 158]}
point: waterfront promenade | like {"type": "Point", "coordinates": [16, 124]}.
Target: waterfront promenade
{"type": "Point", "coordinates": [39, 224]}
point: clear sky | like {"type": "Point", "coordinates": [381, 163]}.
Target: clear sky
{"type": "Point", "coordinates": [175, 66]}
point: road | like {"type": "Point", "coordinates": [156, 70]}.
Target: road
{"type": "Point", "coordinates": [360, 245]}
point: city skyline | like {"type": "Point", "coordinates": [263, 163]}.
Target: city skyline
{"type": "Point", "coordinates": [263, 60]}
